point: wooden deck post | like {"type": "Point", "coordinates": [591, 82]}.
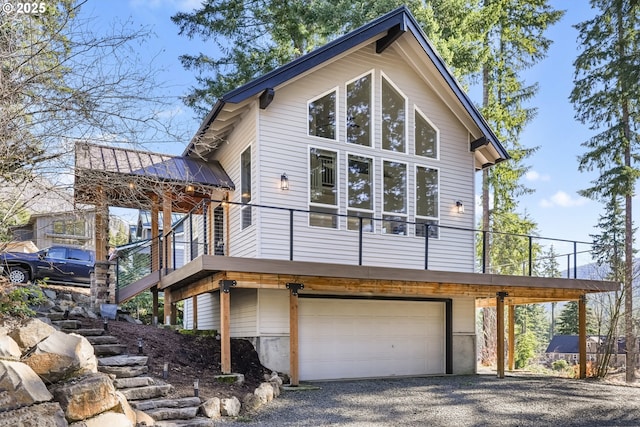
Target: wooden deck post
{"type": "Point", "coordinates": [155, 304]}
{"type": "Point", "coordinates": [194, 303]}
{"type": "Point", "coordinates": [225, 325]}
{"type": "Point", "coordinates": [101, 226]}
{"type": "Point", "coordinates": [512, 336]}
{"type": "Point", "coordinates": [167, 215]}
{"type": "Point", "coordinates": [294, 373]}
{"type": "Point", "coordinates": [167, 307]}
{"type": "Point", "coordinates": [582, 335]}
{"type": "Point", "coordinates": [155, 233]}
{"type": "Point", "coordinates": [500, 333]}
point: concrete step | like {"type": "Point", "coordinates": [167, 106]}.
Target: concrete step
{"type": "Point", "coordinates": [102, 339]}
{"type": "Point", "coordinates": [124, 371]}
{"type": "Point", "coordinates": [144, 405]}
{"type": "Point", "coordinates": [147, 392]}
{"type": "Point", "coordinates": [160, 414]}
{"type": "Point", "coordinates": [195, 422]}
{"type": "Point", "coordinates": [109, 349]}
{"type": "Point", "coordinates": [67, 325]}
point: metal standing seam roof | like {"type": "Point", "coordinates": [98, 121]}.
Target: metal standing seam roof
{"type": "Point", "coordinates": [161, 166]}
{"type": "Point", "coordinates": [399, 18]}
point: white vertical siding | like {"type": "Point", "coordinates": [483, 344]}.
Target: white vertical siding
{"type": "Point", "coordinates": [244, 310]}
{"type": "Point", "coordinates": [273, 312]}
{"type": "Point", "coordinates": [284, 146]}
{"type": "Point", "coordinates": [464, 316]}
{"type": "Point", "coordinates": [208, 312]}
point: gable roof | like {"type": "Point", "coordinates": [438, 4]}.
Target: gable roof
{"type": "Point", "coordinates": [229, 108]}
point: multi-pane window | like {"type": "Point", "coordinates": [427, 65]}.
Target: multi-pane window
{"type": "Point", "coordinates": [322, 116]}
{"type": "Point", "coordinates": [427, 200]}
{"type": "Point", "coordinates": [360, 192]}
{"type": "Point", "coordinates": [69, 227]}
{"type": "Point", "coordinates": [393, 118]}
{"type": "Point", "coordinates": [394, 197]}
{"type": "Point", "coordinates": [426, 137]}
{"type": "Point", "coordinates": [359, 111]}
{"type": "Point", "coordinates": [323, 188]}
{"type": "Point", "coordinates": [245, 184]}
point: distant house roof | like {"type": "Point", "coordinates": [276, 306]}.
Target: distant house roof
{"type": "Point", "coordinates": [569, 343]}
{"type": "Point", "coordinates": [159, 166]}
{"type": "Point", "coordinates": [229, 108]}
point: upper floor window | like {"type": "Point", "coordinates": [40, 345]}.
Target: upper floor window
{"type": "Point", "coordinates": [427, 200]}
{"type": "Point", "coordinates": [322, 116]}
{"type": "Point", "coordinates": [323, 188]}
{"type": "Point", "coordinates": [426, 136]}
{"type": "Point", "coordinates": [69, 227]}
{"type": "Point", "coordinates": [359, 110]}
{"type": "Point", "coordinates": [245, 184]}
{"type": "Point", "coordinates": [394, 108]}
{"type": "Point", "coordinates": [360, 192]}
{"type": "Point", "coordinates": [394, 197]}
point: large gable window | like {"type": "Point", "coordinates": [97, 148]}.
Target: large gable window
{"type": "Point", "coordinates": [323, 188]}
{"type": "Point", "coordinates": [322, 116]}
{"type": "Point", "coordinates": [427, 200]}
{"type": "Point", "coordinates": [360, 192]}
{"type": "Point", "coordinates": [426, 137]}
{"type": "Point", "coordinates": [245, 182]}
{"type": "Point", "coordinates": [394, 188]}
{"type": "Point", "coordinates": [359, 110]}
{"type": "Point", "coordinates": [394, 108]}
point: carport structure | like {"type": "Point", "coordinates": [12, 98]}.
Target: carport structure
{"type": "Point", "coordinates": [128, 178]}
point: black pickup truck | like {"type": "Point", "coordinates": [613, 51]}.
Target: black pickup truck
{"type": "Point", "coordinates": [55, 264]}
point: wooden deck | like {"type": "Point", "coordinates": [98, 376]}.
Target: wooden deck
{"type": "Point", "coordinates": [204, 273]}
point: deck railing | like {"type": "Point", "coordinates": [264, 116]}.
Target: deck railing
{"type": "Point", "coordinates": [197, 233]}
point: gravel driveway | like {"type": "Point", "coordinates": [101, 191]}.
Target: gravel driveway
{"type": "Point", "coordinates": [480, 400]}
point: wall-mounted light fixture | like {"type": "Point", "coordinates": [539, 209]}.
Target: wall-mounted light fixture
{"type": "Point", "coordinates": [284, 182]}
{"type": "Point", "coordinates": [460, 206]}
{"type": "Point", "coordinates": [190, 189]}
{"type": "Point", "coordinates": [132, 185]}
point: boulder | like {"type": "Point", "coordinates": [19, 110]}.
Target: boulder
{"type": "Point", "coordinates": [85, 397]}
{"type": "Point", "coordinates": [106, 419]}
{"type": "Point", "coordinates": [20, 386]}
{"type": "Point", "coordinates": [124, 408]}
{"type": "Point", "coordinates": [40, 415]}
{"type": "Point", "coordinates": [264, 392]}
{"type": "Point", "coordinates": [61, 356]}
{"type": "Point", "coordinates": [30, 332]}
{"type": "Point", "coordinates": [144, 419]}
{"type": "Point", "coordinates": [251, 403]}
{"type": "Point", "coordinates": [9, 349]}
{"type": "Point", "coordinates": [230, 407]}
{"type": "Point", "coordinates": [211, 408]}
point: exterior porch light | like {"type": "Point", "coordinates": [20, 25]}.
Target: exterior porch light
{"type": "Point", "coordinates": [460, 206]}
{"type": "Point", "coordinates": [132, 185]}
{"type": "Point", "coordinates": [284, 182]}
{"type": "Point", "coordinates": [190, 189]}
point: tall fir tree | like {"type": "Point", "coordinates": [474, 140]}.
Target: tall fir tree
{"type": "Point", "coordinates": [606, 96]}
{"type": "Point", "coordinates": [568, 320]}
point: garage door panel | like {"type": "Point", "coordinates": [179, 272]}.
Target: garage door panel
{"type": "Point", "coordinates": [370, 338]}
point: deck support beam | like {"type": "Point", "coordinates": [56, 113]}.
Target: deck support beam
{"type": "Point", "coordinates": [500, 296]}
{"type": "Point", "coordinates": [194, 303]}
{"type": "Point", "coordinates": [582, 335]}
{"type": "Point", "coordinates": [294, 372]}
{"type": "Point", "coordinates": [155, 235]}
{"type": "Point", "coordinates": [167, 215]}
{"type": "Point", "coordinates": [512, 336]}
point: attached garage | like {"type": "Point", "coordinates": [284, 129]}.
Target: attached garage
{"type": "Point", "coordinates": [356, 338]}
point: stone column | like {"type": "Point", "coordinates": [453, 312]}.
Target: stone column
{"type": "Point", "coordinates": [102, 285]}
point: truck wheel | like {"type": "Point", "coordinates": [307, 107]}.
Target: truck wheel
{"type": "Point", "coordinates": [18, 275]}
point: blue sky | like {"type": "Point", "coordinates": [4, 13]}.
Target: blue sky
{"type": "Point", "coordinates": [557, 208]}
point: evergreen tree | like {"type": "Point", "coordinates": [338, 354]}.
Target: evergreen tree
{"type": "Point", "coordinates": [568, 320]}
{"type": "Point", "coordinates": [605, 96]}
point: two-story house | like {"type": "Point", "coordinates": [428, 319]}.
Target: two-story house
{"type": "Point", "coordinates": [336, 224]}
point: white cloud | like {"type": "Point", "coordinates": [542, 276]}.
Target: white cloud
{"type": "Point", "coordinates": [535, 176]}
{"type": "Point", "coordinates": [563, 200]}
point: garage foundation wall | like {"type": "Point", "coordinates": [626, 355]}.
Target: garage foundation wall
{"type": "Point", "coordinates": [273, 352]}
{"type": "Point", "coordinates": [464, 354]}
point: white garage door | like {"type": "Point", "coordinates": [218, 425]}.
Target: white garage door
{"type": "Point", "coordinates": [344, 338]}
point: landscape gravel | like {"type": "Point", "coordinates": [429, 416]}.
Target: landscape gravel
{"type": "Point", "coordinates": [479, 400]}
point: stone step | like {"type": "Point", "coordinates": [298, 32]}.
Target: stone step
{"type": "Point", "coordinates": [102, 339]}
{"type": "Point", "coordinates": [88, 332]}
{"type": "Point", "coordinates": [67, 325]}
{"type": "Point", "coordinates": [123, 360]}
{"type": "Point", "coordinates": [109, 349]}
{"type": "Point", "coordinates": [120, 383]}
{"type": "Point", "coordinates": [160, 414]}
{"type": "Point", "coordinates": [147, 392]}
{"type": "Point", "coordinates": [195, 422]}
{"type": "Point", "coordinates": [124, 371]}
{"type": "Point", "coordinates": [183, 402]}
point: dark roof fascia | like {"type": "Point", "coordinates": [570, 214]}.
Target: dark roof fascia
{"type": "Point", "coordinates": [399, 17]}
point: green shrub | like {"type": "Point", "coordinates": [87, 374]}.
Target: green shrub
{"type": "Point", "coordinates": [16, 300]}
{"type": "Point", "coordinates": [560, 365]}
